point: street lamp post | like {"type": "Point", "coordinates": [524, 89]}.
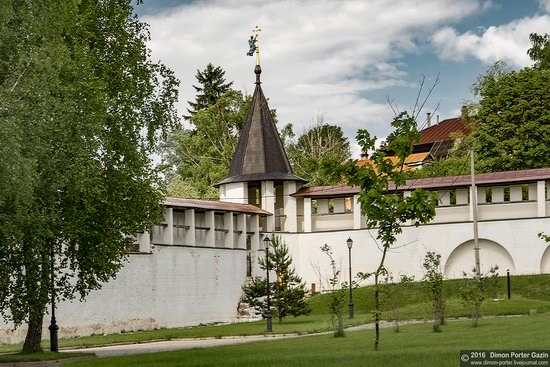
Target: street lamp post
{"type": "Point", "coordinates": [54, 345]}
{"type": "Point", "coordinates": [268, 316]}
{"type": "Point", "coordinates": [350, 306]}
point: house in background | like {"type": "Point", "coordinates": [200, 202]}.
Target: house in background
{"type": "Point", "coordinates": [435, 143]}
{"type": "Point", "coordinates": [437, 139]}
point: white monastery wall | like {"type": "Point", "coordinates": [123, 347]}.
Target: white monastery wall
{"type": "Point", "coordinates": [172, 286]}
{"type": "Point", "coordinates": [510, 244]}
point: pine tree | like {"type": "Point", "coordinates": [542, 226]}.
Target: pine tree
{"type": "Point", "coordinates": [287, 290]}
{"type": "Point", "coordinates": [212, 87]}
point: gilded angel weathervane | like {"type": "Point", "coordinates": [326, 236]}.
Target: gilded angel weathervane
{"type": "Point", "coordinates": [254, 44]}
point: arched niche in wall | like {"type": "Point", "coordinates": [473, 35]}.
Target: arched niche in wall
{"type": "Point", "coordinates": [491, 253]}
{"type": "Point", "coordinates": [545, 262]}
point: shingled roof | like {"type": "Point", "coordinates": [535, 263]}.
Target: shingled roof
{"type": "Point", "coordinates": [260, 155]}
{"type": "Point", "coordinates": [221, 206]}
{"type": "Point", "coordinates": [442, 131]}
{"type": "Point", "coordinates": [435, 183]}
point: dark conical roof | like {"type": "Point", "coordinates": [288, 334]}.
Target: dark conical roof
{"type": "Point", "coordinates": [260, 155]}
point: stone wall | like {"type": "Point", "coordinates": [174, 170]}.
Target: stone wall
{"type": "Point", "coordinates": [510, 244]}
{"type": "Point", "coordinates": [172, 286]}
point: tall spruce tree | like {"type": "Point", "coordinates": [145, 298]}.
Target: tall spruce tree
{"type": "Point", "coordinates": [81, 110]}
{"type": "Point", "coordinates": [287, 291]}
{"type": "Point", "coordinates": [211, 87]}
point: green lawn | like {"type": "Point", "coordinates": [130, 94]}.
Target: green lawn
{"type": "Point", "coordinates": [35, 357]}
{"type": "Point", "coordinates": [415, 345]}
{"type": "Point", "coordinates": [300, 325]}
{"type": "Point", "coordinates": [529, 294]}
{"type": "Point", "coordinates": [528, 287]}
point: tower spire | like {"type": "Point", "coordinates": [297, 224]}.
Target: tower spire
{"type": "Point", "coordinates": [259, 155]}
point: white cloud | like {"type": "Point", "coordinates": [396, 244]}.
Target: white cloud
{"type": "Point", "coordinates": [316, 55]}
{"type": "Point", "coordinates": [545, 5]}
{"type": "Point", "coordinates": [509, 42]}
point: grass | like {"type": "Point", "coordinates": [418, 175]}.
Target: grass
{"type": "Point", "coordinates": [299, 325]}
{"type": "Point", "coordinates": [415, 345]}
{"type": "Point", "coordinates": [35, 357]}
{"type": "Point", "coordinates": [524, 288]}
{"type": "Point", "coordinates": [529, 294]}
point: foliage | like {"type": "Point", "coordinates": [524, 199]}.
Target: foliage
{"type": "Point", "coordinates": [188, 188]}
{"type": "Point", "coordinates": [540, 50]}
{"type": "Point", "coordinates": [433, 283]}
{"type": "Point", "coordinates": [545, 237]}
{"type": "Point", "coordinates": [385, 208]}
{"type": "Point", "coordinates": [199, 157]}
{"type": "Point", "coordinates": [212, 86]}
{"type": "Point", "coordinates": [81, 110]}
{"type": "Point", "coordinates": [514, 120]}
{"type": "Point", "coordinates": [394, 296]}
{"type": "Point", "coordinates": [323, 145]}
{"type": "Point", "coordinates": [337, 294]}
{"type": "Point", "coordinates": [287, 291]}
{"type": "Point", "coordinates": [476, 288]}
{"type": "Point", "coordinates": [494, 72]}
{"type": "Point", "coordinates": [449, 166]}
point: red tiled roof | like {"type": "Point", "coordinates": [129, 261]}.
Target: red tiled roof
{"type": "Point", "coordinates": [442, 130]}
{"type": "Point", "coordinates": [213, 205]}
{"type": "Point", "coordinates": [482, 179]}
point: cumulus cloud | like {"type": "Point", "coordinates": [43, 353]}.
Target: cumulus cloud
{"type": "Point", "coordinates": [509, 42]}
{"type": "Point", "coordinates": [545, 5]}
{"type": "Point", "coordinates": [316, 55]}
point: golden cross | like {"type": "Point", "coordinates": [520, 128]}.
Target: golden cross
{"type": "Point", "coordinates": [257, 31]}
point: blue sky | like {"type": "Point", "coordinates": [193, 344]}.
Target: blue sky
{"type": "Point", "coordinates": [341, 60]}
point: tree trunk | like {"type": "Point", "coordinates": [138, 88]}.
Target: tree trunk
{"type": "Point", "coordinates": [436, 323]}
{"type": "Point", "coordinates": [441, 306]}
{"type": "Point", "coordinates": [397, 318]}
{"type": "Point", "coordinates": [34, 333]}
{"type": "Point", "coordinates": [436, 314]}
{"type": "Point", "coordinates": [340, 331]}
{"type": "Point", "coordinates": [442, 312]}
{"type": "Point", "coordinates": [376, 311]}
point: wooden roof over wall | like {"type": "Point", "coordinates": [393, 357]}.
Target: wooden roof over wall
{"type": "Point", "coordinates": [482, 179]}
{"type": "Point", "coordinates": [223, 206]}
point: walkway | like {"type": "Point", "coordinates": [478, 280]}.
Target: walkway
{"type": "Point", "coordinates": [177, 344]}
